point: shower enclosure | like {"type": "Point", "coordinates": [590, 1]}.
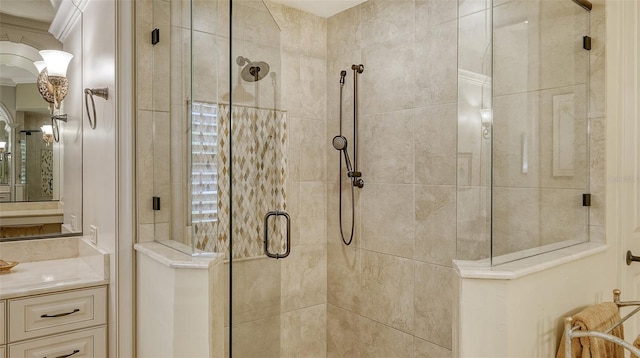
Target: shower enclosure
{"type": "Point", "coordinates": [474, 144]}
{"type": "Point", "coordinates": [523, 130]}
{"type": "Point", "coordinates": [223, 137]}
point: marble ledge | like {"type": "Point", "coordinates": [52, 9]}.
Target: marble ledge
{"type": "Point", "coordinates": [513, 270]}
{"type": "Point", "coordinates": [30, 278]}
{"type": "Point", "coordinates": [176, 259]}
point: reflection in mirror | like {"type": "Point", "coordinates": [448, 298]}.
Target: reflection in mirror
{"type": "Point", "coordinates": [32, 163]}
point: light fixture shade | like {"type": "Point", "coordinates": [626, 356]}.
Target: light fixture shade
{"type": "Point", "coordinates": [3, 145]}
{"type": "Point", "coordinates": [486, 116]}
{"type": "Point", "coordinates": [47, 129]}
{"type": "Point", "coordinates": [57, 62]}
{"type": "Point", "coordinates": [40, 65]}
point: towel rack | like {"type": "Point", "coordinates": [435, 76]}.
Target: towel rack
{"type": "Point", "coordinates": [571, 332]}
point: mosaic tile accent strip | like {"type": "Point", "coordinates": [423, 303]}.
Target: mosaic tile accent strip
{"type": "Point", "coordinates": [46, 176]}
{"type": "Point", "coordinates": [258, 163]}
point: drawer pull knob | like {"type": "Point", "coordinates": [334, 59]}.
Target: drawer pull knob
{"type": "Point", "coordinates": [60, 315]}
{"type": "Point", "coordinates": [75, 351]}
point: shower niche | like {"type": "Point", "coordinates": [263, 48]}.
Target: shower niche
{"type": "Point", "coordinates": [523, 166]}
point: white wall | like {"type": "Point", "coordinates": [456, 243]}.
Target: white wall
{"type": "Point", "coordinates": [523, 317]}
{"type": "Point", "coordinates": [99, 145]}
{"type": "Point", "coordinates": [71, 134]}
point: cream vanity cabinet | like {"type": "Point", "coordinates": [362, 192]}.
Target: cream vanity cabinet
{"type": "Point", "coordinates": [61, 324]}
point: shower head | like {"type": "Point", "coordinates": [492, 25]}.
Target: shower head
{"type": "Point", "coordinates": [343, 74]}
{"type": "Point", "coordinates": [255, 71]}
{"type": "Point", "coordinates": [340, 143]}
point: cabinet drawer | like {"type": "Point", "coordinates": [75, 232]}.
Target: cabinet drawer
{"type": "Point", "coordinates": [48, 314]}
{"type": "Point", "coordinates": [3, 352]}
{"type": "Point", "coordinates": [86, 343]}
{"type": "Point", "coordinates": [3, 323]}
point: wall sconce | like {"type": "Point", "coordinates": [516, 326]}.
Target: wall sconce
{"type": "Point", "coordinates": [486, 118]}
{"type": "Point", "coordinates": [47, 134]}
{"type": "Point", "coordinates": [53, 85]}
{"type": "Point", "coordinates": [3, 148]}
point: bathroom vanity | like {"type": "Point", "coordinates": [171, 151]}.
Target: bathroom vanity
{"type": "Point", "coordinates": [54, 303]}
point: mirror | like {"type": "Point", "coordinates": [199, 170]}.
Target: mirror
{"type": "Point", "coordinates": [40, 178]}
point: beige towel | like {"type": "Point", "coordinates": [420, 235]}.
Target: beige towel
{"type": "Point", "coordinates": [598, 317]}
{"type": "Point", "coordinates": [636, 344]}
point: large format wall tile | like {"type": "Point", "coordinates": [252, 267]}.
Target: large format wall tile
{"type": "Point", "coordinates": [435, 236]}
{"type": "Point", "coordinates": [388, 218]}
{"type": "Point", "coordinates": [435, 145]}
{"type": "Point", "coordinates": [304, 332]}
{"type": "Point", "coordinates": [433, 308]}
{"type": "Point", "coordinates": [344, 32]}
{"type": "Point", "coordinates": [386, 85]}
{"type": "Point", "coordinates": [426, 349]}
{"type": "Point", "coordinates": [256, 289]}
{"type": "Point", "coordinates": [435, 65]}
{"type": "Point", "coordinates": [380, 340]}
{"type": "Point", "coordinates": [352, 335]}
{"type": "Point", "coordinates": [430, 13]}
{"type": "Point", "coordinates": [342, 333]}
{"type": "Point", "coordinates": [257, 339]}
{"type": "Point", "coordinates": [304, 277]}
{"type": "Point", "coordinates": [310, 141]}
{"type": "Point", "coordinates": [383, 20]}
{"type": "Point", "coordinates": [343, 274]}
{"type": "Point", "coordinates": [388, 290]}
{"type": "Point", "coordinates": [312, 218]}
{"type": "Point", "coordinates": [386, 147]}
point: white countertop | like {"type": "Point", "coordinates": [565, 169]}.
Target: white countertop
{"type": "Point", "coordinates": [52, 275]}
{"type": "Point", "coordinates": [54, 264]}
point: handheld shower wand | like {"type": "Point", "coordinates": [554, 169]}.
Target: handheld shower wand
{"type": "Point", "coordinates": [340, 143]}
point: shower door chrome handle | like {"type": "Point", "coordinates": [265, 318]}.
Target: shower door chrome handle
{"type": "Point", "coordinates": [277, 255]}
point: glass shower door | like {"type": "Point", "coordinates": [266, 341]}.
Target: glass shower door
{"type": "Point", "coordinates": [256, 172]}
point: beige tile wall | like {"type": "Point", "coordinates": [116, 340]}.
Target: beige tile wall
{"type": "Point", "coordinates": [389, 293]}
